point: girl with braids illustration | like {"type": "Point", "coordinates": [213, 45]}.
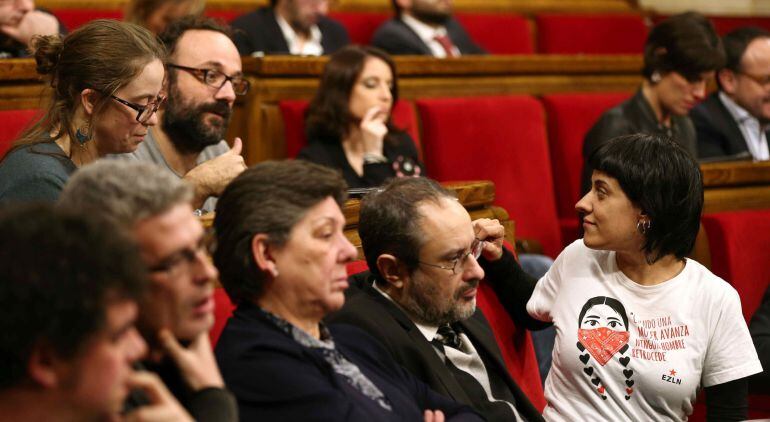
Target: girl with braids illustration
{"type": "Point", "coordinates": [641, 328]}
{"type": "Point", "coordinates": [603, 332]}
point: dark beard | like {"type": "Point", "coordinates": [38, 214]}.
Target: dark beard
{"type": "Point", "coordinates": [431, 17]}
{"type": "Point", "coordinates": [186, 129]}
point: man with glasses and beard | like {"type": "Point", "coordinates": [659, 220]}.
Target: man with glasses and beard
{"type": "Point", "coordinates": [204, 77]}
{"type": "Point", "coordinates": [426, 259]}
{"type": "Point", "coordinates": [424, 27]}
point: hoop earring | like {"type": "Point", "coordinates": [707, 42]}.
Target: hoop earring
{"type": "Point", "coordinates": [643, 226]}
{"type": "Point", "coordinates": [655, 77]}
{"type": "Point", "coordinates": [82, 135]}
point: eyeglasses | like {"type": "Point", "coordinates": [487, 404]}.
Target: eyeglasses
{"type": "Point", "coordinates": [184, 258]}
{"type": "Point", "coordinates": [216, 79]}
{"type": "Point", "coordinates": [459, 261]}
{"type": "Point", "coordinates": [143, 112]}
{"type": "Point", "coordinates": [763, 81]}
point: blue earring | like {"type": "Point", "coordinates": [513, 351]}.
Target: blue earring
{"type": "Point", "coordinates": [82, 137]}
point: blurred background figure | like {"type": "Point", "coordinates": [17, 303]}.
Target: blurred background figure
{"type": "Point", "coordinates": [156, 15]}
{"type": "Point", "coordinates": [19, 22]}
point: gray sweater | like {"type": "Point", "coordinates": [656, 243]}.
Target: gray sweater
{"type": "Point", "coordinates": [34, 173]}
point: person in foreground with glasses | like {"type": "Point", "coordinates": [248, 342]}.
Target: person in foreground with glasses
{"type": "Point", "coordinates": [282, 252]}
{"type": "Point", "coordinates": [204, 78]}
{"type": "Point", "coordinates": [733, 121]}
{"type": "Point", "coordinates": [106, 79]}
{"type": "Point", "coordinates": [154, 207]}
{"type": "Point", "coordinates": [426, 259]}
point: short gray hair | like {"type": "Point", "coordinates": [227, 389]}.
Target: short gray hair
{"type": "Point", "coordinates": [124, 191]}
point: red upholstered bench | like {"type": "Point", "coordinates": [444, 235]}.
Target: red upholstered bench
{"type": "Point", "coordinates": [499, 33]}
{"type": "Point", "coordinates": [223, 310]}
{"type": "Point", "coordinates": [591, 34]}
{"type": "Point", "coordinates": [77, 17]}
{"type": "Point", "coordinates": [569, 118]}
{"type": "Point", "coordinates": [12, 123]}
{"type": "Point", "coordinates": [500, 139]}
{"type": "Point", "coordinates": [293, 113]}
{"type": "Point", "coordinates": [515, 343]}
{"type": "Point", "coordinates": [360, 25]}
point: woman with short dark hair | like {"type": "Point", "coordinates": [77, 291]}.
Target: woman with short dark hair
{"type": "Point", "coordinates": [349, 125]}
{"type": "Point", "coordinates": [681, 55]}
{"type": "Point", "coordinates": [640, 327]}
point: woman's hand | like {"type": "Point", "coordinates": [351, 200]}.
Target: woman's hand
{"type": "Point", "coordinates": [492, 233]}
{"type": "Point", "coordinates": [196, 362]}
{"type": "Point", "coordinates": [373, 130]}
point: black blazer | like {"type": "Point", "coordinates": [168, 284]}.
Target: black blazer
{"type": "Point", "coordinates": [259, 31]}
{"type": "Point", "coordinates": [717, 131]}
{"type": "Point", "coordinates": [370, 310]}
{"type": "Point", "coordinates": [276, 379]}
{"type": "Point", "coordinates": [396, 37]}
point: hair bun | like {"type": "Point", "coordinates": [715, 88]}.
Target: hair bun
{"type": "Point", "coordinates": [47, 50]}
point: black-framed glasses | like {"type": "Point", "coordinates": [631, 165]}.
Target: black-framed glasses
{"type": "Point", "coordinates": [182, 258]}
{"type": "Point", "coordinates": [459, 261]}
{"type": "Point", "coordinates": [216, 79]}
{"type": "Point", "coordinates": [143, 112]}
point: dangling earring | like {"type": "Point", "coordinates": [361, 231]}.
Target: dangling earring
{"type": "Point", "coordinates": [655, 77]}
{"type": "Point", "coordinates": [643, 226]}
{"type": "Point", "coordinates": [82, 135]}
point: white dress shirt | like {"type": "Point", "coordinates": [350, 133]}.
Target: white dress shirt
{"type": "Point", "coordinates": [310, 47]}
{"type": "Point", "coordinates": [428, 35]}
{"type": "Point", "coordinates": [753, 132]}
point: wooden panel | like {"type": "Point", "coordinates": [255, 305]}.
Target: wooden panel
{"type": "Point", "coordinates": [736, 173]}
{"type": "Point", "coordinates": [736, 198]}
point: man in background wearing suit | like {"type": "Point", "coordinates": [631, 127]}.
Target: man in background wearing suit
{"type": "Point", "coordinates": [424, 27]}
{"type": "Point", "coordinates": [734, 119]}
{"type": "Point", "coordinates": [426, 259]}
{"type": "Point", "coordinates": [298, 27]}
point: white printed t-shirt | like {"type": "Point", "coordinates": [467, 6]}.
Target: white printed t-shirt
{"type": "Point", "coordinates": [641, 352]}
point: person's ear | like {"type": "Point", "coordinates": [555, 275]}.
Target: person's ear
{"type": "Point", "coordinates": [727, 80]}
{"type": "Point", "coordinates": [404, 4]}
{"type": "Point", "coordinates": [88, 99]}
{"type": "Point", "coordinates": [43, 366]}
{"type": "Point", "coordinates": [393, 271]}
{"type": "Point", "coordinates": [261, 252]}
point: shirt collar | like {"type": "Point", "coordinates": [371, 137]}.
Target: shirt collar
{"type": "Point", "coordinates": [427, 330]}
{"type": "Point", "coordinates": [291, 36]}
{"type": "Point", "coordinates": [739, 113]}
{"type": "Point", "coordinates": [426, 32]}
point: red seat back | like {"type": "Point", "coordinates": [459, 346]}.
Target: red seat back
{"type": "Point", "coordinates": [293, 113]}
{"type": "Point", "coordinates": [226, 15]}
{"type": "Point", "coordinates": [12, 123]}
{"type": "Point", "coordinates": [740, 253]}
{"type": "Point", "coordinates": [499, 33]}
{"type": "Point", "coordinates": [222, 312]}
{"type": "Point", "coordinates": [570, 116]}
{"type": "Point", "coordinates": [501, 139]}
{"type": "Point", "coordinates": [725, 24]}
{"type": "Point", "coordinates": [360, 25]}
{"type": "Point", "coordinates": [77, 17]}
{"type": "Point", "coordinates": [591, 34]}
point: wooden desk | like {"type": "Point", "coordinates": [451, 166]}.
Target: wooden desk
{"type": "Point", "coordinates": [476, 196]}
{"type": "Point", "coordinates": [736, 185]}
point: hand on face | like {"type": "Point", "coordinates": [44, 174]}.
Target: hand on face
{"type": "Point", "coordinates": [33, 23]}
{"type": "Point", "coordinates": [163, 406]}
{"type": "Point", "coordinates": [211, 177]}
{"type": "Point", "coordinates": [492, 233]}
{"type": "Point", "coordinates": [373, 130]}
{"type": "Point", "coordinates": [196, 361]}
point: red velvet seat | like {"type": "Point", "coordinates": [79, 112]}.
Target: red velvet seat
{"type": "Point", "coordinates": [515, 343]}
{"type": "Point", "coordinates": [569, 118]}
{"type": "Point", "coordinates": [77, 17]}
{"type": "Point", "coordinates": [360, 25]}
{"type": "Point", "coordinates": [591, 34]}
{"type": "Point", "coordinates": [293, 113]}
{"type": "Point", "coordinates": [500, 139]}
{"type": "Point", "coordinates": [226, 15]}
{"type": "Point", "coordinates": [499, 33]}
{"type": "Point", "coordinates": [740, 253]}
{"type": "Point", "coordinates": [13, 122]}
{"type": "Point", "coordinates": [222, 312]}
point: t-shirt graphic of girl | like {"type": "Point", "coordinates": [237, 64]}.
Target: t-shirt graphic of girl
{"type": "Point", "coordinates": [602, 332]}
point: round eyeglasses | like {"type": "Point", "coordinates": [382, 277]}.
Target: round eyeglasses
{"type": "Point", "coordinates": [459, 261]}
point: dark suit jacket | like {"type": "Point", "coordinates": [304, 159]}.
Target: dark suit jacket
{"type": "Point", "coordinates": [277, 379]}
{"type": "Point", "coordinates": [760, 333]}
{"type": "Point", "coordinates": [259, 31]}
{"type": "Point", "coordinates": [396, 37]}
{"type": "Point", "coordinates": [380, 317]}
{"type": "Point", "coordinates": [718, 132]}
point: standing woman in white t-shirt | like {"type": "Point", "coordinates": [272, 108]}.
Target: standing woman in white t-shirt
{"type": "Point", "coordinates": [640, 328]}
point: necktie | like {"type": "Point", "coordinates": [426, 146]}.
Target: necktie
{"type": "Point", "coordinates": [447, 336]}
{"type": "Point", "coordinates": [446, 44]}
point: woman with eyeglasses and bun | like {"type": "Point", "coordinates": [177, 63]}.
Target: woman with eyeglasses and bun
{"type": "Point", "coordinates": [106, 78]}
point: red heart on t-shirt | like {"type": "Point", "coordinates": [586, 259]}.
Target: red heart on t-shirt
{"type": "Point", "coordinates": [600, 390]}
{"type": "Point", "coordinates": [629, 391]}
{"type": "Point", "coordinates": [602, 342]}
